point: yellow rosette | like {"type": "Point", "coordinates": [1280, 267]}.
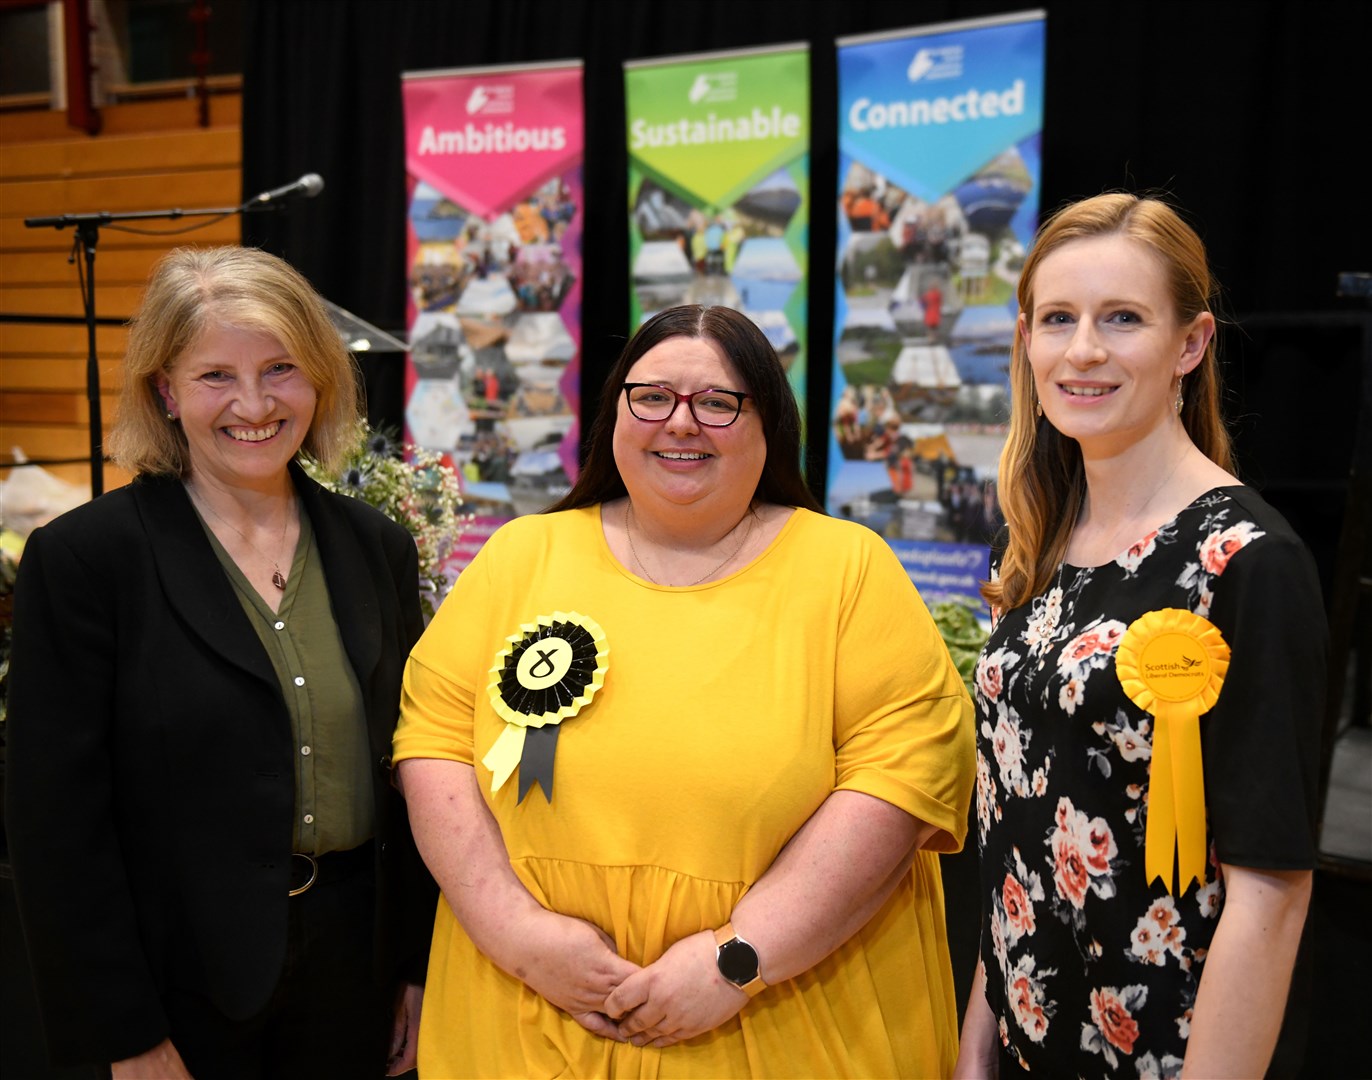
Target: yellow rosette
{"type": "Point", "coordinates": [1172, 664]}
{"type": "Point", "coordinates": [548, 670]}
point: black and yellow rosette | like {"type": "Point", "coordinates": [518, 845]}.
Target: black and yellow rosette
{"type": "Point", "coordinates": [1172, 664]}
{"type": "Point", "coordinates": [548, 670]}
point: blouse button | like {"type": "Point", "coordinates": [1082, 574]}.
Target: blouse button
{"type": "Point", "coordinates": [300, 680]}
{"type": "Point", "coordinates": [305, 750]}
{"type": "Point", "coordinates": [278, 625]}
{"type": "Point", "coordinates": [309, 819]}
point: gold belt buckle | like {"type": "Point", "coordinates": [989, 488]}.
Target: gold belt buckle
{"type": "Point", "coordinates": [314, 872]}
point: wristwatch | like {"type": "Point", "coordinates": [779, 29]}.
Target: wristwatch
{"type": "Point", "coordinates": [737, 961]}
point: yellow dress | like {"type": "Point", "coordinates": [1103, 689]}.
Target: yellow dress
{"type": "Point", "coordinates": [728, 713]}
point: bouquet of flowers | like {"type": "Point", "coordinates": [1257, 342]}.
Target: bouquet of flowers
{"type": "Point", "coordinates": [410, 486]}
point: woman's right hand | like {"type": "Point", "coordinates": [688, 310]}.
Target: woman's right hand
{"type": "Point", "coordinates": [162, 1062]}
{"type": "Point", "coordinates": [566, 960]}
{"type": "Point", "coordinates": [573, 964]}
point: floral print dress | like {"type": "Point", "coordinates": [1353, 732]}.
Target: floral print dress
{"type": "Point", "coordinates": [1090, 970]}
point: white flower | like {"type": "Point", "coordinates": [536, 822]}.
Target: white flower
{"type": "Point", "coordinates": [1131, 744]}
{"type": "Point", "coordinates": [1210, 899]}
{"type": "Point", "coordinates": [1005, 740]}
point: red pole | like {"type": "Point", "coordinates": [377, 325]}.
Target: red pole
{"type": "Point", "coordinates": [81, 110]}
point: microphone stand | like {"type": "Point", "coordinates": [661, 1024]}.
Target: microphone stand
{"type": "Point", "coordinates": [87, 236]}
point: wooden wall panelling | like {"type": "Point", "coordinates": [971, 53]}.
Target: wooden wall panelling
{"type": "Point", "coordinates": [16, 237]}
{"type": "Point", "coordinates": [20, 340]}
{"type": "Point", "coordinates": [55, 268]}
{"type": "Point", "coordinates": [148, 191]}
{"type": "Point", "coordinates": [62, 374]}
{"type": "Point", "coordinates": [120, 155]}
{"type": "Point", "coordinates": [149, 156]}
{"type": "Point", "coordinates": [111, 300]}
{"type": "Point", "coordinates": [132, 118]}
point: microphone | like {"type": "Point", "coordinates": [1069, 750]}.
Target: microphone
{"type": "Point", "coordinates": [308, 186]}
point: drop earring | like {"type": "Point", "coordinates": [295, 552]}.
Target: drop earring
{"type": "Point", "coordinates": [1180, 400]}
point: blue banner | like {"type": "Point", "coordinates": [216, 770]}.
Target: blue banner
{"type": "Point", "coordinates": [939, 176]}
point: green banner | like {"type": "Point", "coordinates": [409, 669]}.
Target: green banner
{"type": "Point", "coordinates": [719, 189]}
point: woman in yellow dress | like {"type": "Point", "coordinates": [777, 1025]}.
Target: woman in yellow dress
{"type": "Point", "coordinates": [758, 742]}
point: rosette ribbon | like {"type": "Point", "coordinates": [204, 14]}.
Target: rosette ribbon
{"type": "Point", "coordinates": [547, 670]}
{"type": "Point", "coordinates": [1172, 664]}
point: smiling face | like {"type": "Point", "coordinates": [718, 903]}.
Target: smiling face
{"type": "Point", "coordinates": [1104, 343]}
{"type": "Point", "coordinates": [244, 405]}
{"type": "Point", "coordinates": [679, 460]}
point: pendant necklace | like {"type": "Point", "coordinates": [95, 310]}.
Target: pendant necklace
{"type": "Point", "coordinates": [278, 578]}
{"type": "Point", "coordinates": [628, 531]}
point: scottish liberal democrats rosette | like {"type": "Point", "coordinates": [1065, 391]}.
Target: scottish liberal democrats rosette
{"type": "Point", "coordinates": [1172, 664]}
{"type": "Point", "coordinates": [548, 670]}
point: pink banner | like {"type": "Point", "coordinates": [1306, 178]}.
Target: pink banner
{"type": "Point", "coordinates": [494, 158]}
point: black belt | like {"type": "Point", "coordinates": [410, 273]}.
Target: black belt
{"type": "Point", "coordinates": [307, 871]}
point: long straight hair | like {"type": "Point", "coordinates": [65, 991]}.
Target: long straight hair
{"type": "Point", "coordinates": [1042, 482]}
{"type": "Point", "coordinates": [763, 377]}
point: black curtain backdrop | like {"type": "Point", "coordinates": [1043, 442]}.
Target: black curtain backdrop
{"type": "Point", "coordinates": [1244, 111]}
{"type": "Point", "coordinates": [1248, 113]}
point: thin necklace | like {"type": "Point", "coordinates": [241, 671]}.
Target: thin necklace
{"type": "Point", "coordinates": [629, 532]}
{"type": "Point", "coordinates": [1143, 506]}
{"type": "Point", "coordinates": [278, 578]}
{"type": "Point", "coordinates": [1053, 617]}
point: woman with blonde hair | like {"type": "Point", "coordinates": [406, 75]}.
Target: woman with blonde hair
{"type": "Point", "coordinates": [1151, 690]}
{"type": "Point", "coordinates": [213, 871]}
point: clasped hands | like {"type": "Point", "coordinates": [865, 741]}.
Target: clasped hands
{"type": "Point", "coordinates": [574, 965]}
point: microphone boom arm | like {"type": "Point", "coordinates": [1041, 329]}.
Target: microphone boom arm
{"type": "Point", "coordinates": [87, 227]}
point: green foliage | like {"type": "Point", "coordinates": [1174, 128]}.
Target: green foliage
{"type": "Point", "coordinates": [963, 634]}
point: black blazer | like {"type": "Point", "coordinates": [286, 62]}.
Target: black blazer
{"type": "Point", "coordinates": [150, 766]}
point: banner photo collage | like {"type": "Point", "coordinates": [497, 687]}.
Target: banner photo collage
{"type": "Point", "coordinates": [719, 189]}
{"type": "Point", "coordinates": [493, 158]}
{"type": "Point", "coordinates": [938, 200]}
{"type": "Point", "coordinates": [939, 175]}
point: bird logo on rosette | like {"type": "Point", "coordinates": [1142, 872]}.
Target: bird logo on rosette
{"type": "Point", "coordinates": [1171, 663]}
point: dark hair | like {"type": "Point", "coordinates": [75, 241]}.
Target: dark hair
{"type": "Point", "coordinates": [763, 378]}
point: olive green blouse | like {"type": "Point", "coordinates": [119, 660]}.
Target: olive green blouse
{"type": "Point", "coordinates": [333, 788]}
